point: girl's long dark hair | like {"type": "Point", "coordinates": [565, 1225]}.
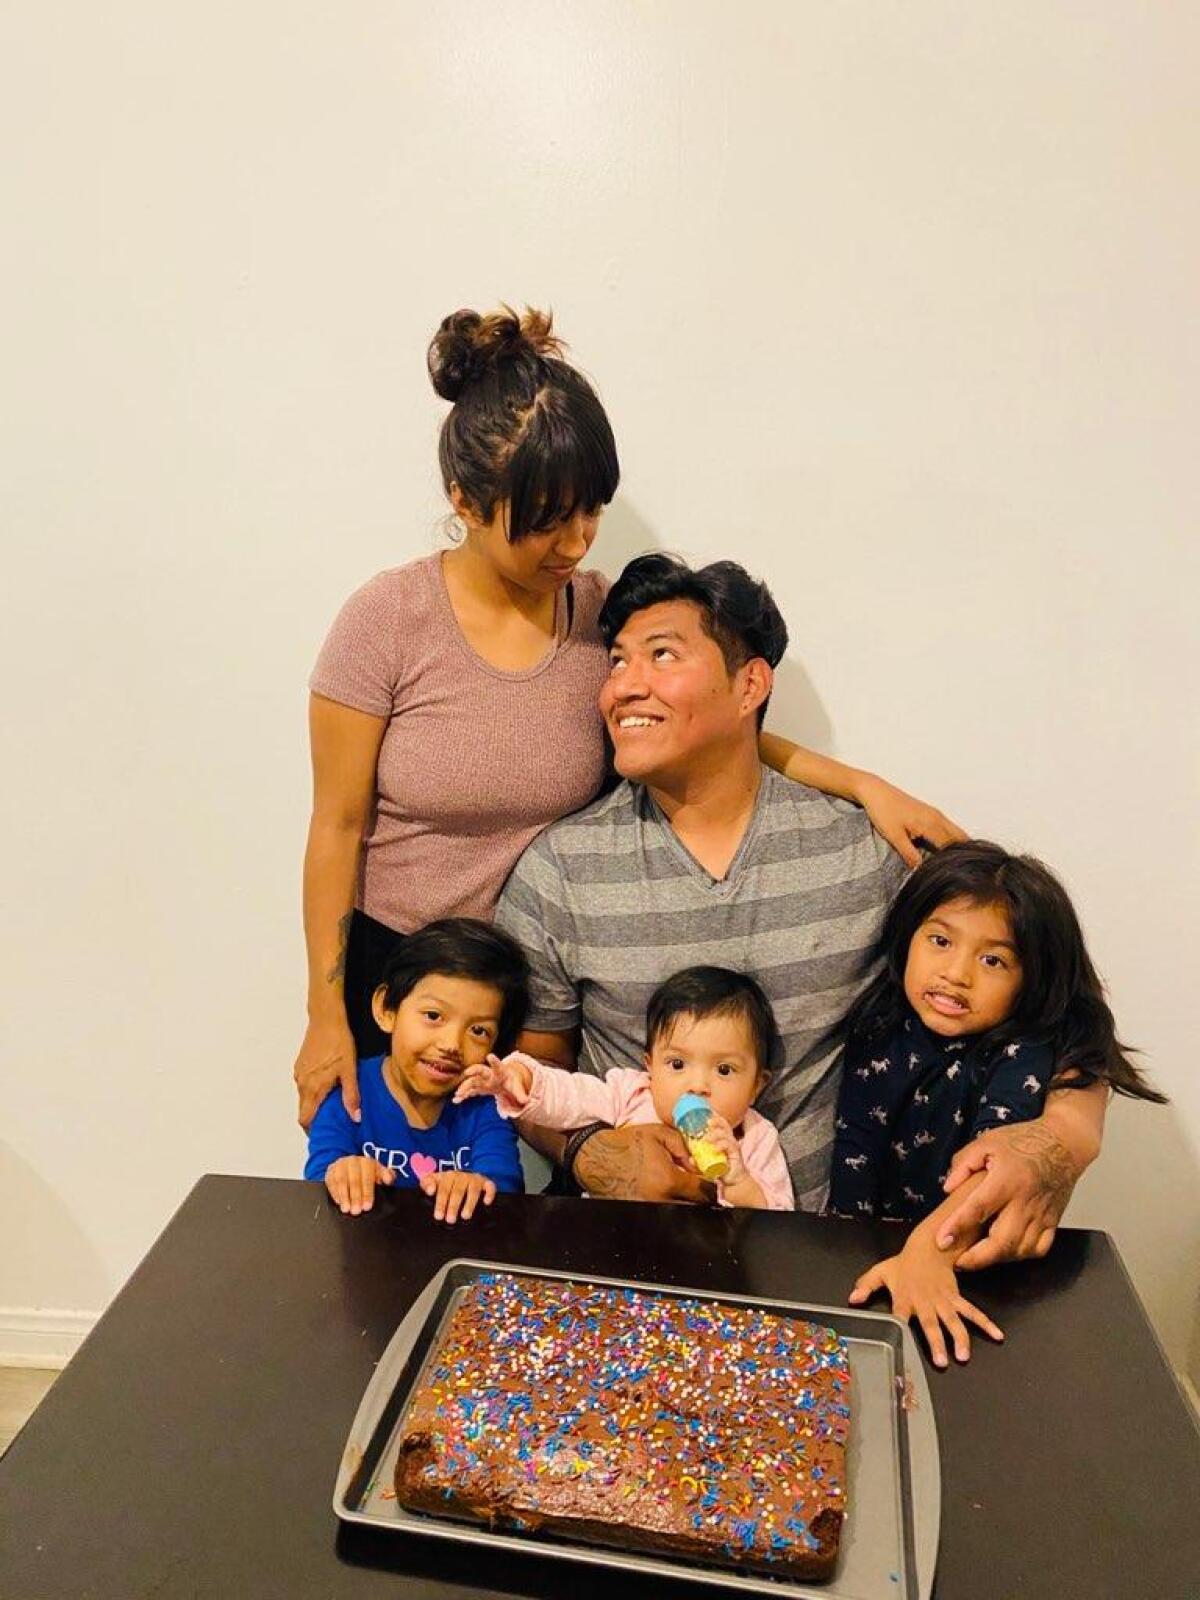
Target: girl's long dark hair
{"type": "Point", "coordinates": [1061, 1000]}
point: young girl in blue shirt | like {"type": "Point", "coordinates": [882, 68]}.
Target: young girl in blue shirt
{"type": "Point", "coordinates": [452, 993]}
{"type": "Point", "coordinates": [986, 999]}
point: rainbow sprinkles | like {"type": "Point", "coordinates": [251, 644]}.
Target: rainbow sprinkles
{"type": "Point", "coordinates": [639, 1420]}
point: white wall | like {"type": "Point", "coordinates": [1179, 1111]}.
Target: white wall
{"type": "Point", "coordinates": [897, 304]}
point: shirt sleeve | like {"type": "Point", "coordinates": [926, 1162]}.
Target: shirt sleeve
{"type": "Point", "coordinates": [357, 664]}
{"type": "Point", "coordinates": [560, 1099]}
{"type": "Point", "coordinates": [533, 910]}
{"type": "Point", "coordinates": [892, 867]}
{"type": "Point", "coordinates": [860, 1144]}
{"type": "Point", "coordinates": [331, 1135]}
{"type": "Point", "coordinates": [494, 1149]}
{"type": "Point", "coordinates": [766, 1164]}
{"type": "Point", "coordinates": [1016, 1086]}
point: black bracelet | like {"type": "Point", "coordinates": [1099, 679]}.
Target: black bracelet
{"type": "Point", "coordinates": [576, 1143]}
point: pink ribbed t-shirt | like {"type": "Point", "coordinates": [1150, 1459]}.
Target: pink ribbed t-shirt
{"type": "Point", "coordinates": [475, 761]}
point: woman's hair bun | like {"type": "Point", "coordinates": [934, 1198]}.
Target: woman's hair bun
{"type": "Point", "coordinates": [468, 345]}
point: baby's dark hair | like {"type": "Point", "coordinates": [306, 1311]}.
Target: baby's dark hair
{"type": "Point", "coordinates": [737, 612]}
{"type": "Point", "coordinates": [463, 947]}
{"type": "Point", "coordinates": [526, 426]}
{"type": "Point", "coordinates": [716, 992]}
{"type": "Point", "coordinates": [1061, 1000]}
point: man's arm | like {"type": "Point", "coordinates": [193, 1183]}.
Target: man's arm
{"type": "Point", "coordinates": [1032, 1170]}
{"type": "Point", "coordinates": [646, 1162]}
{"type": "Point", "coordinates": [899, 817]}
{"type": "Point", "coordinates": [530, 904]}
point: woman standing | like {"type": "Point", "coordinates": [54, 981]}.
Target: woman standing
{"type": "Point", "coordinates": [453, 709]}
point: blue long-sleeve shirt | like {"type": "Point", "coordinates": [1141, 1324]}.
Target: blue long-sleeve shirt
{"type": "Point", "coordinates": [472, 1137]}
{"type": "Point", "coordinates": [908, 1102]}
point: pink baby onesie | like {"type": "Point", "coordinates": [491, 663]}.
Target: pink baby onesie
{"type": "Point", "coordinates": [561, 1099]}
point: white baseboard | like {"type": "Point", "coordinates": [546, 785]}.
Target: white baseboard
{"type": "Point", "coordinates": [32, 1338]}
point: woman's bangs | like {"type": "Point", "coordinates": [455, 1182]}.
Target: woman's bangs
{"type": "Point", "coordinates": [558, 470]}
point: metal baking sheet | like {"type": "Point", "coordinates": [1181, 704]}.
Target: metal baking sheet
{"type": "Point", "coordinates": [889, 1537]}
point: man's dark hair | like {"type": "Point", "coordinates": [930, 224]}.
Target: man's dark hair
{"type": "Point", "coordinates": [736, 611]}
{"type": "Point", "coordinates": [716, 992]}
{"type": "Point", "coordinates": [463, 947]}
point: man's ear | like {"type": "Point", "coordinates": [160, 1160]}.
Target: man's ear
{"type": "Point", "coordinates": [757, 682]}
{"type": "Point", "coordinates": [385, 1017]}
{"type": "Point", "coordinates": [646, 1059]}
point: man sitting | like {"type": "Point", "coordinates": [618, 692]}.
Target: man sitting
{"type": "Point", "coordinates": [702, 855]}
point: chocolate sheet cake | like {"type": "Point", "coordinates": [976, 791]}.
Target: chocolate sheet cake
{"type": "Point", "coordinates": [633, 1419]}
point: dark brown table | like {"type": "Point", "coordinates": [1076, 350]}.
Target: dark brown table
{"type": "Point", "coordinates": [191, 1446]}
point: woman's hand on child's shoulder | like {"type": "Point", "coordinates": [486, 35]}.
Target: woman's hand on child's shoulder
{"type": "Point", "coordinates": [351, 1182]}
{"type": "Point", "coordinates": [457, 1193]}
{"type": "Point", "coordinates": [326, 1057]}
{"type": "Point", "coordinates": [923, 1287]}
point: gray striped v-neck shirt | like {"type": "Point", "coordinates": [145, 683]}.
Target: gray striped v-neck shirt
{"type": "Point", "coordinates": [609, 902]}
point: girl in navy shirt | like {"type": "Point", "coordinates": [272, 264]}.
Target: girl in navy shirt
{"type": "Point", "coordinates": [451, 994]}
{"type": "Point", "coordinates": [986, 998]}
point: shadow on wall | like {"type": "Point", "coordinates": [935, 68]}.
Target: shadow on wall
{"type": "Point", "coordinates": [1143, 1191]}
{"type": "Point", "coordinates": [48, 1248]}
{"type": "Point", "coordinates": [625, 533]}
{"type": "Point", "coordinates": [796, 711]}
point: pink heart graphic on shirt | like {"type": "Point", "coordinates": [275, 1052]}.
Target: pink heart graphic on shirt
{"type": "Point", "coordinates": [423, 1166]}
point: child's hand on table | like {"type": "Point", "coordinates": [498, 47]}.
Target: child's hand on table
{"type": "Point", "coordinates": [923, 1286]}
{"type": "Point", "coordinates": [511, 1078]}
{"type": "Point", "coordinates": [457, 1192]}
{"type": "Point", "coordinates": [351, 1181]}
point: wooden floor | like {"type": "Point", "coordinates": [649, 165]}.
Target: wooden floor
{"type": "Point", "coordinates": [21, 1390]}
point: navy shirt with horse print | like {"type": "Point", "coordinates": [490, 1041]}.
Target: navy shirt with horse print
{"type": "Point", "coordinates": [908, 1102]}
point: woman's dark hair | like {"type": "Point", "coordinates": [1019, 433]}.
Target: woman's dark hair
{"type": "Point", "coordinates": [716, 992]}
{"type": "Point", "coordinates": [736, 611]}
{"type": "Point", "coordinates": [526, 427]}
{"type": "Point", "coordinates": [463, 947]}
{"type": "Point", "coordinates": [1061, 999]}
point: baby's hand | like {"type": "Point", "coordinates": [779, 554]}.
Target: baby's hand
{"type": "Point", "coordinates": [512, 1078]}
{"type": "Point", "coordinates": [455, 1192]}
{"type": "Point", "coordinates": [351, 1181]}
{"type": "Point", "coordinates": [923, 1287]}
{"type": "Point", "coordinates": [722, 1137]}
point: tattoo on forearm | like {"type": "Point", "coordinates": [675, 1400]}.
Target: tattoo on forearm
{"type": "Point", "coordinates": [1050, 1160]}
{"type": "Point", "coordinates": [338, 970]}
{"type": "Point", "coordinates": [608, 1173]}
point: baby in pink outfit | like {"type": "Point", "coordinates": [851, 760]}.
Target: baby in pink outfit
{"type": "Point", "coordinates": [709, 1032]}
